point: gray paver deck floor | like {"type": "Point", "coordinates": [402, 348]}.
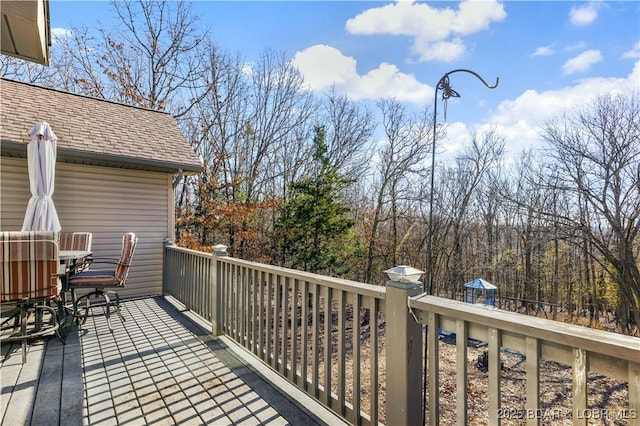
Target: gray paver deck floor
{"type": "Point", "coordinates": [157, 367]}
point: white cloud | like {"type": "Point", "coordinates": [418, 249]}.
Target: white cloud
{"type": "Point", "coordinates": [543, 51]}
{"type": "Point", "coordinates": [633, 53]}
{"type": "Point", "coordinates": [456, 135]}
{"type": "Point", "coordinates": [59, 33]}
{"type": "Point", "coordinates": [583, 15]}
{"type": "Point", "coordinates": [324, 66]}
{"type": "Point", "coordinates": [582, 62]}
{"type": "Point", "coordinates": [521, 119]}
{"type": "Point", "coordinates": [446, 51]}
{"type": "Point", "coordinates": [436, 32]}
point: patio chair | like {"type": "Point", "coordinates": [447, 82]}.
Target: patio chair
{"type": "Point", "coordinates": [29, 274]}
{"type": "Point", "coordinates": [104, 283]}
{"type": "Point", "coordinates": [80, 241]}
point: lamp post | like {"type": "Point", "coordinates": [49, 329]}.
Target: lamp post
{"type": "Point", "coordinates": [447, 92]}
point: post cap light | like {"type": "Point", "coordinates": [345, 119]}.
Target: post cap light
{"type": "Point", "coordinates": [220, 250]}
{"type": "Point", "coordinates": [404, 273]}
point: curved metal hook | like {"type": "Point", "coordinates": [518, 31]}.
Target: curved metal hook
{"type": "Point", "coordinates": [447, 92]}
{"type": "Point", "coordinates": [474, 73]}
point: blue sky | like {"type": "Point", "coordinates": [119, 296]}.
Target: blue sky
{"type": "Point", "coordinates": [550, 55]}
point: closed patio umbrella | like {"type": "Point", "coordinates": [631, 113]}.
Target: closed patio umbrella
{"type": "Point", "coordinates": [41, 213]}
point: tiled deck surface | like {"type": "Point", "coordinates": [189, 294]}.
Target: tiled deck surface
{"type": "Point", "coordinates": [158, 367]}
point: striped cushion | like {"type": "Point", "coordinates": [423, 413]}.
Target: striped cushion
{"type": "Point", "coordinates": [95, 278]}
{"type": "Point", "coordinates": [76, 241]}
{"type": "Point", "coordinates": [129, 242]}
{"type": "Point", "coordinates": [29, 265]}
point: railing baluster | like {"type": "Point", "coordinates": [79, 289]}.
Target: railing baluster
{"type": "Point", "coordinates": [262, 316]}
{"type": "Point", "coordinates": [461, 371]}
{"type": "Point", "coordinates": [357, 305]}
{"type": "Point", "coordinates": [242, 307]}
{"type": "Point", "coordinates": [533, 379]}
{"type": "Point", "coordinates": [341, 352]}
{"type": "Point", "coordinates": [295, 329]}
{"type": "Point", "coordinates": [433, 362]}
{"type": "Point", "coordinates": [373, 360]}
{"type": "Point", "coordinates": [270, 320]}
{"type": "Point", "coordinates": [285, 326]}
{"type": "Point", "coordinates": [231, 285]}
{"type": "Point", "coordinates": [235, 303]}
{"type": "Point", "coordinates": [225, 285]}
{"type": "Point", "coordinates": [580, 369]}
{"type": "Point", "coordinates": [304, 344]}
{"type": "Point", "coordinates": [634, 392]}
{"type": "Point", "coordinates": [326, 292]}
{"type": "Point", "coordinates": [277, 319]}
{"type": "Point", "coordinates": [315, 336]}
{"type": "Point", "coordinates": [494, 376]}
{"type": "Point", "coordinates": [253, 307]}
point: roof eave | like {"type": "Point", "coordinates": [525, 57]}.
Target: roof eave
{"type": "Point", "coordinates": [67, 155]}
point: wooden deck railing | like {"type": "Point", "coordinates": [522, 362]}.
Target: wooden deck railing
{"type": "Point", "coordinates": [584, 349]}
{"type": "Point", "coordinates": [358, 348]}
{"type": "Point", "coordinates": [188, 277]}
{"type": "Point", "coordinates": [310, 328]}
{"type": "Point", "coordinates": [325, 335]}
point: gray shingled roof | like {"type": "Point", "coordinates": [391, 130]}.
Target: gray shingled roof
{"type": "Point", "coordinates": [93, 131]}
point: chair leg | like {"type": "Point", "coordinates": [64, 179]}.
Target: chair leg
{"type": "Point", "coordinates": [31, 321]}
{"type": "Point", "coordinates": [86, 309]}
{"type": "Point", "coordinates": [106, 304]}
{"type": "Point", "coordinates": [77, 318]}
{"type": "Point", "coordinates": [107, 311]}
{"type": "Point", "coordinates": [117, 309]}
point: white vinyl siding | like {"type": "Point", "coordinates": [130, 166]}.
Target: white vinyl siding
{"type": "Point", "coordinates": [107, 202]}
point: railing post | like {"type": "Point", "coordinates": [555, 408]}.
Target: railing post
{"type": "Point", "coordinates": [404, 355]}
{"type": "Point", "coordinates": [165, 266]}
{"type": "Point", "coordinates": [219, 250]}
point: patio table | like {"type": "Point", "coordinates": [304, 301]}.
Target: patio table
{"type": "Point", "coordinates": [70, 261]}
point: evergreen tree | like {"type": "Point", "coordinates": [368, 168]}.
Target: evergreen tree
{"type": "Point", "coordinates": [314, 231]}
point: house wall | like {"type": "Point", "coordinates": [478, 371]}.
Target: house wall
{"type": "Point", "coordinates": [107, 202]}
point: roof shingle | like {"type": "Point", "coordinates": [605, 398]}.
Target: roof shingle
{"type": "Point", "coordinates": [95, 128]}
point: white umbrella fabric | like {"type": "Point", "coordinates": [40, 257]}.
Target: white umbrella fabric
{"type": "Point", "coordinates": [41, 213]}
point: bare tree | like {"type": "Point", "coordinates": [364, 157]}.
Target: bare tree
{"type": "Point", "coordinates": [21, 70]}
{"type": "Point", "coordinates": [401, 155]}
{"type": "Point", "coordinates": [480, 156]}
{"type": "Point", "coordinates": [250, 129]}
{"type": "Point", "coordinates": [596, 152]}
{"type": "Point", "coordinates": [153, 55]}
{"type": "Point", "coordinates": [76, 64]}
{"type": "Point", "coordinates": [350, 128]}
{"type": "Point", "coordinates": [150, 58]}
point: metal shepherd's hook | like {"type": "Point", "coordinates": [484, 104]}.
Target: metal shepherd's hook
{"type": "Point", "coordinates": [447, 92]}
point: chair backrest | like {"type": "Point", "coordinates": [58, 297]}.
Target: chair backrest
{"type": "Point", "coordinates": [76, 241]}
{"type": "Point", "coordinates": [30, 261]}
{"type": "Point", "coordinates": [129, 242]}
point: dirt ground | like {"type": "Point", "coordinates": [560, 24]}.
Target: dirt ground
{"type": "Point", "coordinates": [607, 398]}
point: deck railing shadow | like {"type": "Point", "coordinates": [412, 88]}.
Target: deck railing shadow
{"type": "Point", "coordinates": [358, 348]}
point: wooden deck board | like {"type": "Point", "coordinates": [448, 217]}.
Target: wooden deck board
{"type": "Point", "coordinates": [157, 366]}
